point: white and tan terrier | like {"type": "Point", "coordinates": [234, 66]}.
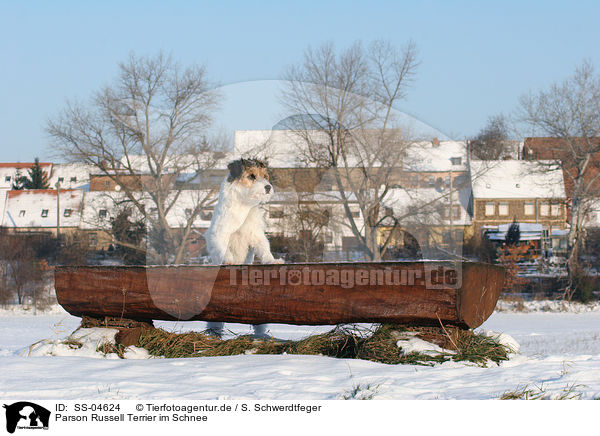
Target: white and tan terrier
{"type": "Point", "coordinates": [237, 230]}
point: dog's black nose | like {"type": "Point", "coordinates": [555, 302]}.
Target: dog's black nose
{"type": "Point", "coordinates": [267, 188]}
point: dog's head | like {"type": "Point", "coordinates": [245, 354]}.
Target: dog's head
{"type": "Point", "coordinates": [251, 178]}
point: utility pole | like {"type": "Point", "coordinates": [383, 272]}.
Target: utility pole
{"type": "Point", "coordinates": [57, 210]}
{"type": "Point", "coordinates": [452, 245]}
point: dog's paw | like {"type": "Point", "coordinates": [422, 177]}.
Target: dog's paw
{"type": "Point", "coordinates": [277, 261]}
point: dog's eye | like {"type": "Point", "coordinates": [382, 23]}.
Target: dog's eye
{"type": "Point", "coordinates": [252, 177]}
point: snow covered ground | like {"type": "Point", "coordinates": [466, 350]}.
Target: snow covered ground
{"type": "Point", "coordinates": [560, 352]}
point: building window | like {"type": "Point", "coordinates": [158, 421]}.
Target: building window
{"type": "Point", "coordinates": [431, 180]}
{"type": "Point", "coordinates": [455, 212]}
{"type": "Point", "coordinates": [67, 213]}
{"type": "Point", "coordinates": [107, 183]}
{"type": "Point", "coordinates": [328, 238]}
{"type": "Point", "coordinates": [545, 209]}
{"type": "Point", "coordinates": [490, 208]}
{"type": "Point", "coordinates": [188, 213]}
{"type": "Point", "coordinates": [459, 235]}
{"type": "Point", "coordinates": [555, 210]}
{"type": "Point", "coordinates": [93, 239]}
{"type": "Point", "coordinates": [73, 179]}
{"type": "Point", "coordinates": [7, 179]}
{"type": "Point", "coordinates": [275, 212]}
{"type": "Point", "coordinates": [355, 213]}
{"type": "Point", "coordinates": [21, 213]}
{"type": "Point", "coordinates": [529, 208]}
{"type": "Point", "coordinates": [206, 214]}
{"type": "Point", "coordinates": [44, 213]}
{"type": "Point", "coordinates": [503, 209]}
{"type": "Point", "coordinates": [61, 179]}
{"type": "Point", "coordinates": [102, 213]}
{"type": "Point", "coordinates": [414, 180]}
{"type": "Point", "coordinates": [456, 160]}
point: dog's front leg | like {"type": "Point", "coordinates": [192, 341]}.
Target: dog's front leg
{"type": "Point", "coordinates": [218, 249]}
{"type": "Point", "coordinates": [263, 250]}
{"type": "Point", "coordinates": [249, 257]}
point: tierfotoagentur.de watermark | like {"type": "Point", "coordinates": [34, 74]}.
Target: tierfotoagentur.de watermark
{"type": "Point", "coordinates": [436, 277]}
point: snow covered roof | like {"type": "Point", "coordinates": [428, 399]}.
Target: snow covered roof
{"type": "Point", "coordinates": [37, 208]}
{"type": "Point", "coordinates": [434, 156]}
{"type": "Point", "coordinates": [8, 171]}
{"type": "Point", "coordinates": [430, 206]}
{"type": "Point", "coordinates": [279, 147]}
{"type": "Point", "coordinates": [186, 203]}
{"type": "Point", "coordinates": [528, 232]}
{"type": "Point", "coordinates": [96, 201]}
{"type": "Point", "coordinates": [182, 163]}
{"type": "Point", "coordinates": [100, 206]}
{"type": "Point", "coordinates": [516, 179]}
{"type": "Point", "coordinates": [71, 176]}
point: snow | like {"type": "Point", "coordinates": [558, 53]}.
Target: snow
{"type": "Point", "coordinates": [73, 175]}
{"type": "Point", "coordinates": [558, 349]}
{"type": "Point", "coordinates": [37, 208]}
{"type": "Point", "coordinates": [428, 157]}
{"type": "Point", "coordinates": [411, 344]}
{"type": "Point", "coordinates": [516, 179]}
{"type": "Point", "coordinates": [8, 171]}
{"type": "Point", "coordinates": [419, 206]}
{"type": "Point", "coordinates": [89, 338]}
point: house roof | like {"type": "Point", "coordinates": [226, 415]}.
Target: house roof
{"type": "Point", "coordinates": [426, 205]}
{"type": "Point", "coordinates": [549, 148]}
{"type": "Point", "coordinates": [281, 149]}
{"type": "Point", "coordinates": [516, 179]}
{"type": "Point", "coordinates": [9, 169]}
{"type": "Point", "coordinates": [79, 171]}
{"type": "Point", "coordinates": [436, 156]}
{"type": "Point", "coordinates": [183, 163]}
{"type": "Point", "coordinates": [24, 165]}
{"type": "Point", "coordinates": [38, 208]}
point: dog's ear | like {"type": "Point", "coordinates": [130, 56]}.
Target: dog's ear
{"type": "Point", "coordinates": [235, 170]}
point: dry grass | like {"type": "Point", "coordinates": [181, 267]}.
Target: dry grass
{"type": "Point", "coordinates": [344, 341]}
{"type": "Point", "coordinates": [569, 392]}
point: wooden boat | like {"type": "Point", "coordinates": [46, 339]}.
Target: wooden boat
{"type": "Point", "coordinates": [417, 293]}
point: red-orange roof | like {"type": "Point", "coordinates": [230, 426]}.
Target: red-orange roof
{"type": "Point", "coordinates": [21, 165]}
{"type": "Point", "coordinates": [16, 193]}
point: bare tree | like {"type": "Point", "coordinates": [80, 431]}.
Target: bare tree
{"type": "Point", "coordinates": [21, 268]}
{"type": "Point", "coordinates": [304, 227]}
{"type": "Point", "coordinates": [148, 129]}
{"type": "Point", "coordinates": [347, 124]}
{"type": "Point", "coordinates": [570, 112]}
{"type": "Point", "coordinates": [491, 141]}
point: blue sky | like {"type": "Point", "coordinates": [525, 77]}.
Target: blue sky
{"type": "Point", "coordinates": [476, 57]}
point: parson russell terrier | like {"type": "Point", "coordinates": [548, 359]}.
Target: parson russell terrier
{"type": "Point", "coordinates": [237, 230]}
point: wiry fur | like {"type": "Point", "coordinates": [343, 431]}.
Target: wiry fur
{"type": "Point", "coordinates": [237, 230]}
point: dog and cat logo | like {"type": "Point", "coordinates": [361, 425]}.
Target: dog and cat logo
{"type": "Point", "coordinates": [26, 415]}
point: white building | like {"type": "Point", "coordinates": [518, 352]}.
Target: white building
{"type": "Point", "coordinates": [10, 170]}
{"type": "Point", "coordinates": [71, 176]}
{"type": "Point", "coordinates": [37, 209]}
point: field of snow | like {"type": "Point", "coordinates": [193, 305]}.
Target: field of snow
{"type": "Point", "coordinates": [559, 356]}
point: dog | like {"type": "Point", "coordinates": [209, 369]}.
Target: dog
{"type": "Point", "coordinates": [237, 230]}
